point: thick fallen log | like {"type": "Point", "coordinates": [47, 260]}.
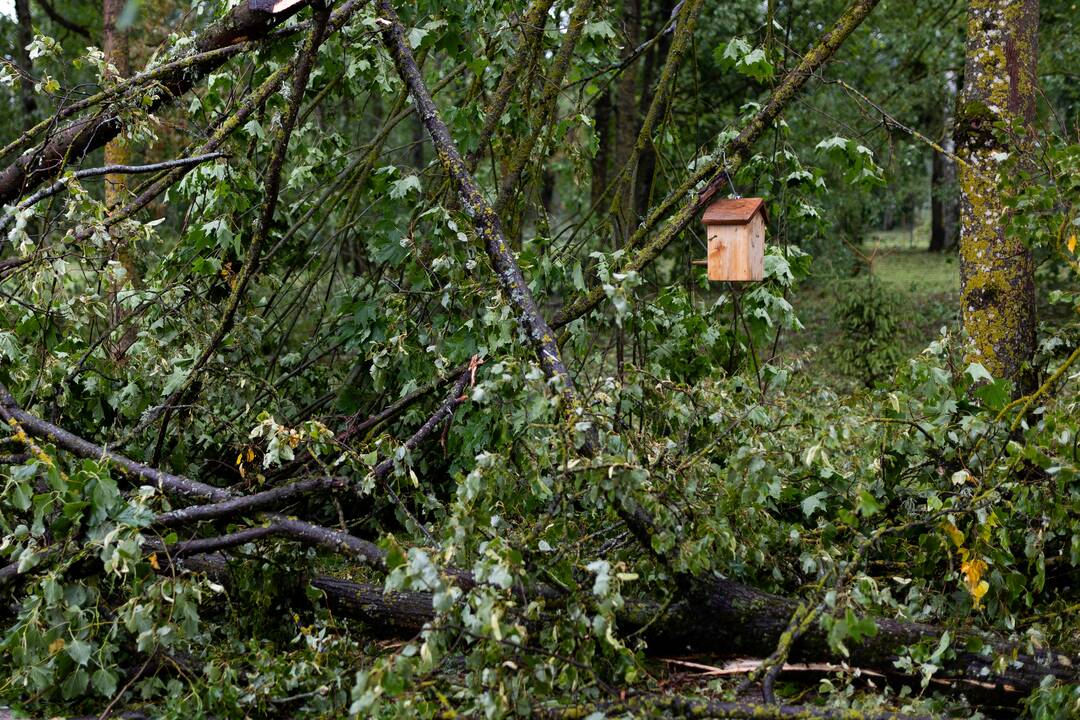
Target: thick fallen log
{"type": "Point", "coordinates": [727, 618]}
{"type": "Point", "coordinates": [686, 707]}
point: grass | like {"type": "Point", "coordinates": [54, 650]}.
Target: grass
{"type": "Point", "coordinates": [909, 267]}
{"type": "Point", "coordinates": [928, 289]}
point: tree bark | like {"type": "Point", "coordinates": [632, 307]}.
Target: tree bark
{"type": "Point", "coordinates": [996, 271]}
{"type": "Point", "coordinates": [602, 128]}
{"type": "Point", "coordinates": [727, 618]}
{"type": "Point", "coordinates": [23, 36]}
{"type": "Point", "coordinates": [116, 55]}
{"type": "Point", "coordinates": [484, 217]}
{"type": "Point", "coordinates": [944, 200]}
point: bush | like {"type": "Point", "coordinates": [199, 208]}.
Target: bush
{"type": "Point", "coordinates": [866, 314]}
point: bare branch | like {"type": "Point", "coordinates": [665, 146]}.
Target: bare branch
{"type": "Point", "coordinates": [59, 185]}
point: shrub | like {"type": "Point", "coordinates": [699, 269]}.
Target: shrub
{"type": "Point", "coordinates": [867, 317]}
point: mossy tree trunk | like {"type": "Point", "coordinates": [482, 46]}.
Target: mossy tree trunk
{"type": "Point", "coordinates": [996, 271]}
{"type": "Point", "coordinates": [115, 42]}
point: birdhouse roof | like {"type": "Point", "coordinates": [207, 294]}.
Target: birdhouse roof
{"type": "Point", "coordinates": [272, 6]}
{"type": "Point", "coordinates": [733, 211]}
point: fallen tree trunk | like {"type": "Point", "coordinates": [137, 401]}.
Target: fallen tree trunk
{"type": "Point", "coordinates": [728, 618]}
{"type": "Point", "coordinates": [676, 706]}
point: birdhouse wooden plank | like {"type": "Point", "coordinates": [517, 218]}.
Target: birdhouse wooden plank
{"type": "Point", "coordinates": [736, 233]}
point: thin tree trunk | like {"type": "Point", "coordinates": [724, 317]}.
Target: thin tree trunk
{"type": "Point", "coordinates": [115, 41]}
{"type": "Point", "coordinates": [116, 55]}
{"type": "Point", "coordinates": [944, 200]}
{"type": "Point", "coordinates": [23, 36]}
{"type": "Point", "coordinates": [996, 271]}
{"type": "Point", "coordinates": [653, 58]}
{"type": "Point", "coordinates": [602, 127]}
{"type": "Point", "coordinates": [626, 123]}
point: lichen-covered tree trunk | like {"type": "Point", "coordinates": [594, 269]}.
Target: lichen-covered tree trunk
{"type": "Point", "coordinates": [116, 54]}
{"type": "Point", "coordinates": [997, 271]}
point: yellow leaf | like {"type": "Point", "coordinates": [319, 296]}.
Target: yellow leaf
{"type": "Point", "coordinates": [56, 645]}
{"type": "Point", "coordinates": [973, 571]}
{"type": "Point", "coordinates": [977, 593]}
{"type": "Point", "coordinates": [954, 533]}
{"type": "Point", "coordinates": [250, 454]}
{"type": "Point", "coordinates": [153, 561]}
{"type": "Point", "coordinates": [240, 459]}
{"type": "Point", "coordinates": [1072, 243]}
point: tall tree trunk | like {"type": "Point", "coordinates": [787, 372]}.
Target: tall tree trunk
{"type": "Point", "coordinates": [653, 58]}
{"type": "Point", "coordinates": [626, 129]}
{"type": "Point", "coordinates": [602, 127]}
{"type": "Point", "coordinates": [116, 54]}
{"type": "Point", "coordinates": [626, 121]}
{"type": "Point", "coordinates": [944, 210]}
{"type": "Point", "coordinates": [115, 41]}
{"type": "Point", "coordinates": [944, 200]}
{"type": "Point", "coordinates": [996, 272]}
{"type": "Point", "coordinates": [23, 37]}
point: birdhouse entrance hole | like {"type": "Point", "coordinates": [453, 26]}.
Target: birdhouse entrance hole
{"type": "Point", "coordinates": [736, 232]}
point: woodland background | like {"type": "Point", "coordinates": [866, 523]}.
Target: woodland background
{"type": "Point", "coordinates": [355, 360]}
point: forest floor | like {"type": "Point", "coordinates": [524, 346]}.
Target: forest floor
{"type": "Point", "coordinates": [927, 297]}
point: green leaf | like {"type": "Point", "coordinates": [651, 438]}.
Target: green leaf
{"type": "Point", "coordinates": [814, 502]}
{"type": "Point", "coordinates": [977, 372]}
{"type": "Point", "coordinates": [868, 504]}
{"type": "Point", "coordinates": [75, 684]}
{"type": "Point", "coordinates": [401, 188]}
{"type": "Point", "coordinates": [79, 651]}
{"type": "Point", "coordinates": [104, 682]}
{"type": "Point", "coordinates": [600, 29]}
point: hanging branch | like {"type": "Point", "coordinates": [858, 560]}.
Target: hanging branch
{"type": "Point", "coordinates": [532, 32]}
{"type": "Point", "coordinates": [508, 185]}
{"type": "Point", "coordinates": [63, 22]}
{"type": "Point", "coordinates": [60, 185]}
{"type": "Point", "coordinates": [680, 43]}
{"type": "Point", "coordinates": [249, 503]}
{"type": "Point", "coordinates": [271, 191]}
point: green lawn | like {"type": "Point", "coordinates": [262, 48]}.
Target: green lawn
{"type": "Point", "coordinates": [908, 266]}
{"type": "Point", "coordinates": [928, 289]}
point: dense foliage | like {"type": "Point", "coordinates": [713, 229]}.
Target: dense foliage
{"type": "Point", "coordinates": [310, 321]}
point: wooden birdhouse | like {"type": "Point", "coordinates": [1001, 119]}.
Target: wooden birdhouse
{"type": "Point", "coordinates": [736, 231]}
